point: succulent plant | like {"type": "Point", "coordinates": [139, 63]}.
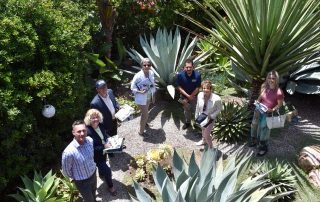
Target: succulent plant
{"type": "Point", "coordinates": [279, 175]}
{"type": "Point", "coordinates": [140, 175]}
{"type": "Point", "coordinates": [233, 123]}
{"type": "Point", "coordinates": [211, 181]}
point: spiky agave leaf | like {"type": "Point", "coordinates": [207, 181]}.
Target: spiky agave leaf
{"type": "Point", "coordinates": [280, 174]}
{"type": "Point", "coordinates": [233, 123]}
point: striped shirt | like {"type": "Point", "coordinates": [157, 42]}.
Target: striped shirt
{"type": "Point", "coordinates": [77, 160]}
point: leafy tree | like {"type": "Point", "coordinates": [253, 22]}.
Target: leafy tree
{"type": "Point", "coordinates": [264, 35]}
{"type": "Point", "coordinates": [41, 61]}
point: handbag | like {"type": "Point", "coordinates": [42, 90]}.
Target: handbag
{"type": "Point", "coordinates": [201, 118]}
{"type": "Point", "coordinates": [276, 121]}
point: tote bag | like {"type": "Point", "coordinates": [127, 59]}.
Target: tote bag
{"type": "Point", "coordinates": [276, 121]}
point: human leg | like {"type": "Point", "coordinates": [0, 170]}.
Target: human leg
{"type": "Point", "coordinates": [206, 134]}
{"type": "Point", "coordinates": [254, 129]}
{"type": "Point", "coordinates": [105, 172]}
{"type": "Point", "coordinates": [144, 116]}
{"type": "Point", "coordinates": [264, 135]}
{"type": "Point", "coordinates": [87, 188]}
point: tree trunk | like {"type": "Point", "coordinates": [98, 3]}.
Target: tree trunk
{"type": "Point", "coordinates": [255, 92]}
{"type": "Point", "coordinates": [107, 17]}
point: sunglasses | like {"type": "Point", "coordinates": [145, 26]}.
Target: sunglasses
{"type": "Point", "coordinates": [148, 65]}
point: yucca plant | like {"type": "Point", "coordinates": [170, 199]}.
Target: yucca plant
{"type": "Point", "coordinates": [40, 189]}
{"type": "Point", "coordinates": [166, 54]}
{"type": "Point", "coordinates": [264, 35]}
{"type": "Point", "coordinates": [211, 181]}
{"type": "Point", "coordinates": [279, 173]}
{"type": "Point", "coordinates": [233, 123]}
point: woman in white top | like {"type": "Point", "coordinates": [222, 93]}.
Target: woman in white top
{"type": "Point", "coordinates": [143, 88]}
{"type": "Point", "coordinates": [209, 104]}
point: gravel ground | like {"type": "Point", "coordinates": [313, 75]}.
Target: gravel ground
{"type": "Point", "coordinates": [166, 128]}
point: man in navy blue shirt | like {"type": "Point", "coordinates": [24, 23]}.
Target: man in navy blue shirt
{"type": "Point", "coordinates": [189, 82]}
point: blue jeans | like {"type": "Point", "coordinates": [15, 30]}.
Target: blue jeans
{"type": "Point", "coordinates": [105, 172]}
{"type": "Point", "coordinates": [259, 128]}
{"type": "Point", "coordinates": [87, 188]}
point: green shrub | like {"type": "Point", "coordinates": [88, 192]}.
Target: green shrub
{"type": "Point", "coordinates": [280, 175]}
{"type": "Point", "coordinates": [41, 61]}
{"type": "Point", "coordinates": [40, 189]}
{"type": "Point", "coordinates": [233, 123]}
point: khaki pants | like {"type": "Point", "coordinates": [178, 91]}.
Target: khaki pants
{"type": "Point", "coordinates": [144, 115]}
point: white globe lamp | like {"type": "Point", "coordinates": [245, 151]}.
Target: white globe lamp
{"type": "Point", "coordinates": [48, 111]}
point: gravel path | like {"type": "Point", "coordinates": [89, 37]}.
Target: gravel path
{"type": "Point", "coordinates": [166, 128]}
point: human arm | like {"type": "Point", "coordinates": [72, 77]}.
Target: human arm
{"type": "Point", "coordinates": [280, 98]}
{"type": "Point", "coordinates": [134, 85]}
{"type": "Point", "coordinates": [67, 162]}
{"type": "Point", "coordinates": [217, 107]}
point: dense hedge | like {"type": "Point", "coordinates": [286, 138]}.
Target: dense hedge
{"type": "Point", "coordinates": [41, 61]}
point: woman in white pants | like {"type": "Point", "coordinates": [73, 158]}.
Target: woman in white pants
{"type": "Point", "coordinates": [209, 104]}
{"type": "Point", "coordinates": [143, 88]}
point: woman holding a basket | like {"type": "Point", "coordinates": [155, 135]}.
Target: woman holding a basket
{"type": "Point", "coordinates": [270, 100]}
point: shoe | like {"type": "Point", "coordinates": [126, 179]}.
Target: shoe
{"type": "Point", "coordinates": [113, 191]}
{"type": "Point", "coordinates": [262, 152]}
{"type": "Point", "coordinates": [149, 125]}
{"type": "Point", "coordinates": [185, 126]}
{"type": "Point", "coordinates": [200, 143]}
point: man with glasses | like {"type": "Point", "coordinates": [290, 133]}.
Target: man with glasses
{"type": "Point", "coordinates": [188, 82]}
{"type": "Point", "coordinates": [78, 163]}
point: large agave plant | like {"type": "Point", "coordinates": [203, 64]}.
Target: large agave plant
{"type": "Point", "coordinates": [279, 173]}
{"type": "Point", "coordinates": [166, 54]}
{"type": "Point", "coordinates": [211, 181]}
{"type": "Point", "coordinates": [233, 123]}
{"type": "Point", "coordinates": [305, 80]}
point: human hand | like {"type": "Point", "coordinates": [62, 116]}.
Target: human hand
{"type": "Point", "coordinates": [107, 145]}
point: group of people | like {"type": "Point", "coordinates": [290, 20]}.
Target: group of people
{"type": "Point", "coordinates": [81, 157]}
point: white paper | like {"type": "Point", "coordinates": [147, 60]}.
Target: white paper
{"type": "Point", "coordinates": [124, 112]}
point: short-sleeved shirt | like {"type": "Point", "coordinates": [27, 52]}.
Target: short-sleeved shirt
{"type": "Point", "coordinates": [270, 97]}
{"type": "Point", "coordinates": [189, 83]}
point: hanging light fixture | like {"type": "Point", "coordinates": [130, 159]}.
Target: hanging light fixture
{"type": "Point", "coordinates": [48, 111]}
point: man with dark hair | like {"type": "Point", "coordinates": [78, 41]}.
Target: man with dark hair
{"type": "Point", "coordinates": [189, 82]}
{"type": "Point", "coordinates": [78, 163]}
{"type": "Point", "coordinates": [106, 103]}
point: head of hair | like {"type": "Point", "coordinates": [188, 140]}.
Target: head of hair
{"type": "Point", "coordinates": [207, 84]}
{"type": "Point", "coordinates": [265, 84]}
{"type": "Point", "coordinates": [90, 113]}
{"type": "Point", "coordinates": [77, 122]}
{"type": "Point", "coordinates": [145, 60]}
{"type": "Point", "coordinates": [189, 60]}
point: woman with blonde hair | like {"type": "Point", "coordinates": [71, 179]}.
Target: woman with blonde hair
{"type": "Point", "coordinates": [93, 120]}
{"type": "Point", "coordinates": [271, 96]}
{"type": "Point", "coordinates": [209, 104]}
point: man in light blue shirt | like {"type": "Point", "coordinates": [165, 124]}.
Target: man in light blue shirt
{"type": "Point", "coordinates": [78, 163]}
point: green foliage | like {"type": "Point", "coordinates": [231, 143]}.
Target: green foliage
{"type": "Point", "coordinates": [261, 36]}
{"type": "Point", "coordinates": [305, 80]}
{"type": "Point", "coordinates": [67, 190]}
{"type": "Point", "coordinates": [280, 174]}
{"type": "Point", "coordinates": [233, 123]}
{"type": "Point", "coordinates": [167, 55]}
{"type": "Point", "coordinates": [40, 189]}
{"type": "Point", "coordinates": [41, 61]}
{"type": "Point", "coordinates": [212, 180]}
